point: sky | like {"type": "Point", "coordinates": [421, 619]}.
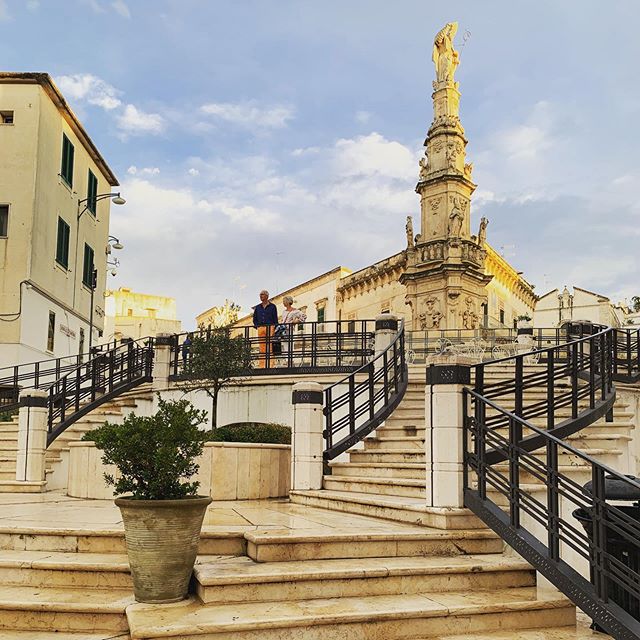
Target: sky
{"type": "Point", "coordinates": [260, 143]}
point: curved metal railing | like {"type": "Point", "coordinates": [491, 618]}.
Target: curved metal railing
{"type": "Point", "coordinates": [527, 484]}
{"type": "Point", "coordinates": [357, 404]}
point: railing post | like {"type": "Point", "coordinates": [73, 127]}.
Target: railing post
{"type": "Point", "coordinates": [444, 436]}
{"type": "Point", "coordinates": [306, 440]}
{"type": "Point", "coordinates": [162, 361]}
{"type": "Point", "coordinates": [32, 436]}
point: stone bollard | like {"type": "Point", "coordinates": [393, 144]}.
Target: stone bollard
{"type": "Point", "coordinates": [162, 362]}
{"type": "Point", "coordinates": [307, 444]}
{"type": "Point", "coordinates": [386, 331]}
{"type": "Point", "coordinates": [444, 434]}
{"type": "Point", "coordinates": [524, 338]}
{"type": "Point", "coordinates": [32, 436]}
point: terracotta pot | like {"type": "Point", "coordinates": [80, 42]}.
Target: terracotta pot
{"type": "Point", "coordinates": [162, 542]}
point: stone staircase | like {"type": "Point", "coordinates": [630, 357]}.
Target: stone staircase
{"type": "Point", "coordinates": [113, 411]}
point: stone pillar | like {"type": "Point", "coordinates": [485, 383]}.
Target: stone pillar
{"type": "Point", "coordinates": [444, 434]}
{"type": "Point", "coordinates": [524, 338]}
{"type": "Point", "coordinates": [162, 362]}
{"type": "Point", "coordinates": [32, 436]}
{"type": "Point", "coordinates": [307, 444]}
{"type": "Point", "coordinates": [386, 331]}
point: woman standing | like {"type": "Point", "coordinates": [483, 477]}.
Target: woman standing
{"type": "Point", "coordinates": [291, 316]}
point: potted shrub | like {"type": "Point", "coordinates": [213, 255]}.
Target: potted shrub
{"type": "Point", "coordinates": [524, 321]}
{"type": "Point", "coordinates": [163, 514]}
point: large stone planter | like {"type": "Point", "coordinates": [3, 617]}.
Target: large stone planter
{"type": "Point", "coordinates": [162, 542]}
{"type": "Point", "coordinates": [228, 471]}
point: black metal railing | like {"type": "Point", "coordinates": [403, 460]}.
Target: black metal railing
{"type": "Point", "coordinates": [39, 375]}
{"type": "Point", "coordinates": [553, 528]}
{"type": "Point", "coordinates": [108, 374]}
{"type": "Point", "coordinates": [357, 404]}
{"type": "Point", "coordinates": [521, 477]}
{"type": "Point", "coordinates": [337, 346]}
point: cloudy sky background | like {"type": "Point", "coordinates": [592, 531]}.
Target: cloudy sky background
{"type": "Point", "coordinates": [262, 142]}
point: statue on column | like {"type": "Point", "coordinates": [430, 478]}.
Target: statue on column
{"type": "Point", "coordinates": [409, 229]}
{"type": "Point", "coordinates": [445, 57]}
{"type": "Point", "coordinates": [456, 217]}
{"type": "Point", "coordinates": [482, 232]}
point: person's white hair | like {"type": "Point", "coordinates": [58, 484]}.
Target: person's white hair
{"type": "Point", "coordinates": [264, 291]}
{"type": "Point", "coordinates": [287, 300]}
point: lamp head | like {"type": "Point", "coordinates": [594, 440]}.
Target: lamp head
{"type": "Point", "coordinates": [118, 245]}
{"type": "Point", "coordinates": [118, 200]}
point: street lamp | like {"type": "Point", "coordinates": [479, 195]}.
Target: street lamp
{"type": "Point", "coordinates": [116, 198]}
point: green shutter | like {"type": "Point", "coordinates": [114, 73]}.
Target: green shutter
{"type": "Point", "coordinates": [87, 270]}
{"type": "Point", "coordinates": [66, 169]}
{"type": "Point", "coordinates": [62, 245]}
{"type": "Point", "coordinates": [92, 192]}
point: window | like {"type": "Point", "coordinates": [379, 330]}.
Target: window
{"type": "Point", "coordinates": [51, 331]}
{"type": "Point", "coordinates": [502, 316]}
{"type": "Point", "coordinates": [62, 247]}
{"type": "Point", "coordinates": [66, 170]}
{"type": "Point", "coordinates": [87, 267]}
{"type": "Point", "coordinates": [320, 314]}
{"type": "Point", "coordinates": [92, 192]}
{"type": "Point", "coordinates": [6, 117]}
{"type": "Point", "coordinates": [4, 220]}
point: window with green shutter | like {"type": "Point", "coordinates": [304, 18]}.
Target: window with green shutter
{"type": "Point", "coordinates": [62, 246]}
{"type": "Point", "coordinates": [66, 170]}
{"type": "Point", "coordinates": [4, 220]}
{"type": "Point", "coordinates": [87, 269]}
{"type": "Point", "coordinates": [92, 192]}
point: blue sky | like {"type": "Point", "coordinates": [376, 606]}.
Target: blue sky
{"type": "Point", "coordinates": [260, 143]}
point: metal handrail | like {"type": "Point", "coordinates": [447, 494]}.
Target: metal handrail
{"type": "Point", "coordinates": [498, 458]}
{"type": "Point", "coordinates": [372, 393]}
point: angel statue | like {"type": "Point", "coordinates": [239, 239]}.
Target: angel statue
{"type": "Point", "coordinates": [445, 57]}
{"type": "Point", "coordinates": [482, 231]}
{"type": "Point", "coordinates": [409, 228]}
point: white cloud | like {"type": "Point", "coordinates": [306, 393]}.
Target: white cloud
{"type": "Point", "coordinates": [363, 117]}
{"type": "Point", "coordinates": [305, 151]}
{"type": "Point", "coordinates": [250, 114]}
{"type": "Point", "coordinates": [193, 172]}
{"type": "Point", "coordinates": [85, 87]}
{"type": "Point", "coordinates": [374, 155]}
{"type": "Point", "coordinates": [144, 171]}
{"type": "Point", "coordinates": [121, 8]}
{"type": "Point", "coordinates": [133, 121]}
{"type": "Point", "coordinates": [33, 5]}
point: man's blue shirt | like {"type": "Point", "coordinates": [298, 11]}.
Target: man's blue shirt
{"type": "Point", "coordinates": [265, 315]}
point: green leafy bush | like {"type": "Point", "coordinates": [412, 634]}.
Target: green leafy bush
{"type": "Point", "coordinates": [258, 432]}
{"type": "Point", "coordinates": [154, 454]}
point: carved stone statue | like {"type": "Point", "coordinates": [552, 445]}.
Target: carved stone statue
{"type": "Point", "coordinates": [409, 229]}
{"type": "Point", "coordinates": [468, 170]}
{"type": "Point", "coordinates": [482, 232]}
{"type": "Point", "coordinates": [456, 218]}
{"type": "Point", "coordinates": [445, 57]}
{"type": "Point", "coordinates": [431, 317]}
{"type": "Point", "coordinates": [424, 168]}
{"type": "Point", "coordinates": [469, 316]}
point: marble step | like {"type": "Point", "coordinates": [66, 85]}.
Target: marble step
{"type": "Point", "coordinates": [380, 486]}
{"type": "Point", "coordinates": [15, 634]}
{"type": "Point", "coordinates": [59, 569]}
{"type": "Point", "coordinates": [379, 470]}
{"type": "Point", "coordinates": [373, 617]}
{"type": "Point", "coordinates": [13, 486]}
{"type": "Point", "coordinates": [415, 456]}
{"type": "Point", "coordinates": [63, 609]}
{"type": "Point", "coordinates": [300, 545]}
{"type": "Point", "coordinates": [227, 580]}
{"type": "Point", "coordinates": [396, 508]}
{"type": "Point", "coordinates": [375, 443]}
{"type": "Point", "coordinates": [105, 540]}
{"type": "Point", "coordinates": [569, 632]}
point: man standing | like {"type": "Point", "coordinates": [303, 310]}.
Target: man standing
{"type": "Point", "coordinates": [265, 318]}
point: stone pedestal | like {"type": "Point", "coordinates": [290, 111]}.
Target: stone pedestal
{"type": "Point", "coordinates": [444, 434]}
{"type": "Point", "coordinates": [386, 331]}
{"type": "Point", "coordinates": [162, 362]}
{"type": "Point", "coordinates": [307, 444]}
{"type": "Point", "coordinates": [32, 436]}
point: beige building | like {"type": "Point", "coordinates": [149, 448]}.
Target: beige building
{"type": "Point", "coordinates": [555, 308]}
{"type": "Point", "coordinates": [137, 315]}
{"type": "Point", "coordinates": [53, 226]}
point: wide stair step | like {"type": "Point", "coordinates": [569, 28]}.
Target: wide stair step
{"type": "Point", "coordinates": [389, 617]}
{"type": "Point", "coordinates": [379, 470]}
{"type": "Point", "coordinates": [410, 487]}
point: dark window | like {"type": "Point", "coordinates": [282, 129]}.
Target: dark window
{"type": "Point", "coordinates": [6, 117]}
{"type": "Point", "coordinates": [501, 316]}
{"type": "Point", "coordinates": [92, 192]}
{"type": "Point", "coordinates": [62, 247]}
{"type": "Point", "coordinates": [4, 220]}
{"type": "Point", "coordinates": [51, 331]}
{"type": "Point", "coordinates": [66, 170]}
{"type": "Point", "coordinates": [321, 314]}
{"type": "Point", "coordinates": [87, 268]}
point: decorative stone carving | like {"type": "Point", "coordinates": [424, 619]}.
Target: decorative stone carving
{"type": "Point", "coordinates": [431, 316]}
{"type": "Point", "coordinates": [482, 232]}
{"type": "Point", "coordinates": [468, 170]}
{"type": "Point", "coordinates": [424, 168]}
{"type": "Point", "coordinates": [434, 203]}
{"type": "Point", "coordinates": [456, 218]}
{"type": "Point", "coordinates": [409, 229]}
{"type": "Point", "coordinates": [469, 316]}
{"type": "Point", "coordinates": [418, 238]}
{"type": "Point", "coordinates": [445, 57]}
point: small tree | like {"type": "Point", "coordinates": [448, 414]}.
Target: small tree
{"type": "Point", "coordinates": [216, 360]}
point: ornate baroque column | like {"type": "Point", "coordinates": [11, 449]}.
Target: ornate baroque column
{"type": "Point", "coordinates": [445, 276]}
